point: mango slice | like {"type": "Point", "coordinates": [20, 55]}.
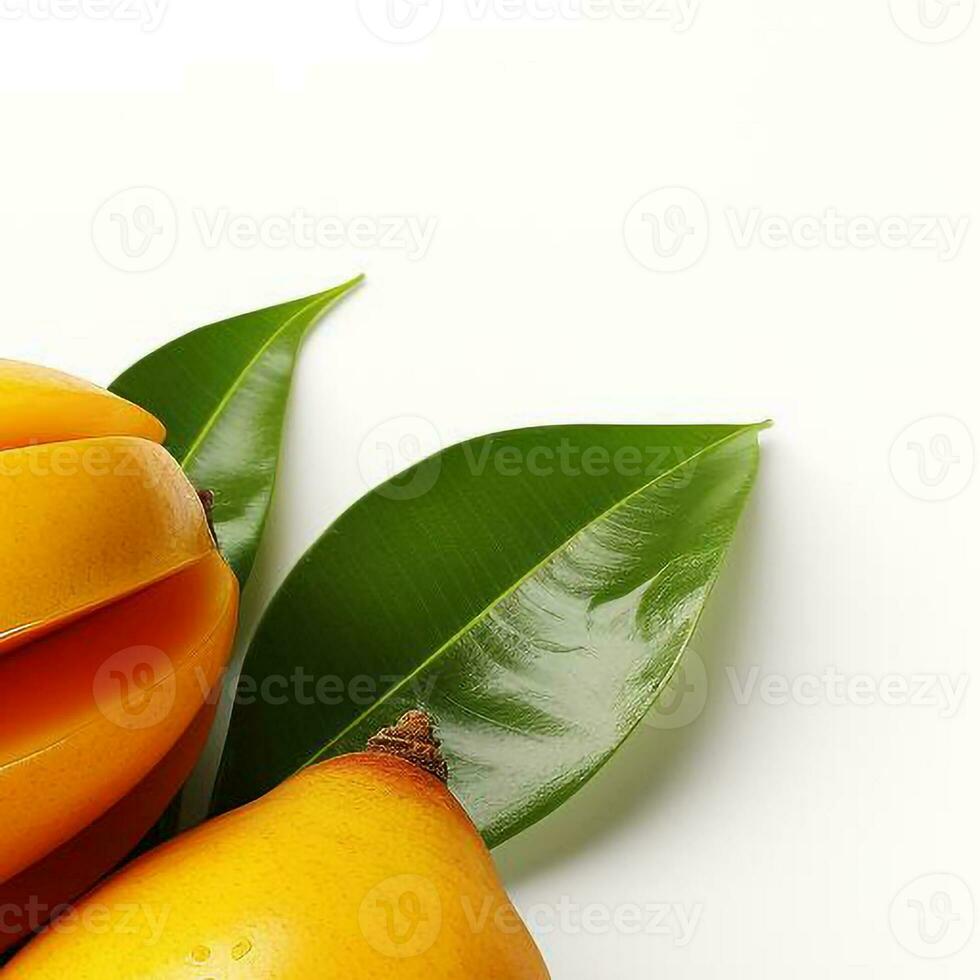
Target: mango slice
{"type": "Point", "coordinates": [38, 405]}
{"type": "Point", "coordinates": [32, 897]}
{"type": "Point", "coordinates": [84, 523]}
{"type": "Point", "coordinates": [88, 711]}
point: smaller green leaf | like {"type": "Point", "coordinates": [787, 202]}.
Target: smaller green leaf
{"type": "Point", "coordinates": [222, 391]}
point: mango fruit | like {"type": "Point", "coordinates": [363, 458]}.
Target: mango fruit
{"type": "Point", "coordinates": [36, 894]}
{"type": "Point", "coordinates": [117, 615]}
{"type": "Point", "coordinates": [364, 866]}
{"type": "Point", "coordinates": [41, 406]}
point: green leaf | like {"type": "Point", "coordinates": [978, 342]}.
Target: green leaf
{"type": "Point", "coordinates": [534, 590]}
{"type": "Point", "coordinates": [221, 391]}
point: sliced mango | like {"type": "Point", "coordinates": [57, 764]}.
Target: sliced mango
{"type": "Point", "coordinates": [38, 405]}
{"type": "Point", "coordinates": [88, 711]}
{"type": "Point", "coordinates": [87, 522]}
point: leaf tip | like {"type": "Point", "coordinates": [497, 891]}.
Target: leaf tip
{"type": "Point", "coordinates": [346, 287]}
{"type": "Point", "coordinates": [334, 294]}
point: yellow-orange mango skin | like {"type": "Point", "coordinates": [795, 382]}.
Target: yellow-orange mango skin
{"type": "Point", "coordinates": [38, 405]}
{"type": "Point", "coordinates": [362, 867]}
{"type": "Point", "coordinates": [90, 709]}
{"type": "Point", "coordinates": [86, 522]}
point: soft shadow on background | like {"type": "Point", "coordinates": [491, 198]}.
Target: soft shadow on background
{"type": "Point", "coordinates": [653, 763]}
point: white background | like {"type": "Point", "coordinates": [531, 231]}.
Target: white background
{"type": "Point", "coordinates": [793, 828]}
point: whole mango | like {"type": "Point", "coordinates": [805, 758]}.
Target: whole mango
{"type": "Point", "coordinates": [365, 866]}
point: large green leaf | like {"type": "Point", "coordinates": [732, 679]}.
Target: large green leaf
{"type": "Point", "coordinates": [221, 391]}
{"type": "Point", "coordinates": [534, 590]}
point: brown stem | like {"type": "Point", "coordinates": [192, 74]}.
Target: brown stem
{"type": "Point", "coordinates": [414, 740]}
{"type": "Point", "coordinates": [207, 502]}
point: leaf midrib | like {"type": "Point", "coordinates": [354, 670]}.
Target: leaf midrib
{"type": "Point", "coordinates": [435, 655]}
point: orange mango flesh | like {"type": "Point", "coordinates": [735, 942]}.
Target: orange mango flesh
{"type": "Point", "coordinates": [38, 405]}
{"type": "Point", "coordinates": [29, 899]}
{"type": "Point", "coordinates": [88, 711]}
{"type": "Point", "coordinates": [86, 522]}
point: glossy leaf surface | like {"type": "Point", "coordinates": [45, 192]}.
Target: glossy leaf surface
{"type": "Point", "coordinates": [534, 590]}
{"type": "Point", "coordinates": [222, 391]}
